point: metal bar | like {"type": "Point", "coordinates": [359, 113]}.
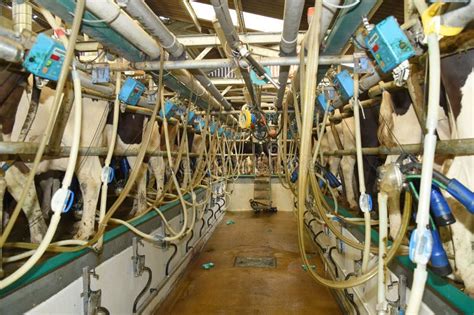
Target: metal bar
{"type": "Point", "coordinates": [233, 112]}
{"type": "Point", "coordinates": [30, 148]}
{"type": "Point", "coordinates": [446, 147]}
{"type": "Point", "coordinates": [206, 40]}
{"type": "Point", "coordinates": [203, 53]}
{"type": "Point", "coordinates": [219, 63]}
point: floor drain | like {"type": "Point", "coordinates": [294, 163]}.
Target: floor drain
{"type": "Point", "coordinates": [255, 262]}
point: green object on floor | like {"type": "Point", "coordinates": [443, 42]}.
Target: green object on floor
{"type": "Point", "coordinates": [229, 222]}
{"type": "Point", "coordinates": [305, 267]}
{"type": "Point", "coordinates": [207, 266]}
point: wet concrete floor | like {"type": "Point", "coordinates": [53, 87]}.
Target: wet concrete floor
{"type": "Point", "coordinates": [226, 289]}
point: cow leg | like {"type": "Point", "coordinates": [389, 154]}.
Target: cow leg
{"type": "Point", "coordinates": [348, 163]}
{"type": "Point", "coordinates": [15, 181]}
{"type": "Point", "coordinates": [462, 232]}
{"type": "Point", "coordinates": [49, 187]}
{"type": "Point", "coordinates": [157, 165]}
{"type": "Point", "coordinates": [90, 182]}
{"type": "Point", "coordinates": [139, 203]}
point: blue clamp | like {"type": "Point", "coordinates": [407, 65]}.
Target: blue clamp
{"type": "Point", "coordinates": [420, 246]}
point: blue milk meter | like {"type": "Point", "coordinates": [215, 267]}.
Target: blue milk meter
{"type": "Point", "coordinates": [388, 44]}
{"type": "Point", "coordinates": [131, 91]}
{"type": "Point", "coordinates": [344, 84]}
{"type": "Point", "coordinates": [170, 109]}
{"type": "Point", "coordinates": [45, 58]}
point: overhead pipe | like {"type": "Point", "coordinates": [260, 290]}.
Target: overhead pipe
{"type": "Point", "coordinates": [22, 15]}
{"type": "Point", "coordinates": [327, 16]}
{"type": "Point", "coordinates": [289, 37]}
{"type": "Point", "coordinates": [152, 23]}
{"type": "Point", "coordinates": [216, 63]}
{"type": "Point", "coordinates": [10, 50]}
{"type": "Point", "coordinates": [109, 11]}
{"type": "Point", "coordinates": [119, 41]}
{"type": "Point", "coordinates": [221, 9]}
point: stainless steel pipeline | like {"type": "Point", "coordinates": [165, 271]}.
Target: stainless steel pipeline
{"type": "Point", "coordinates": [289, 36]}
{"type": "Point", "coordinates": [221, 9]}
{"type": "Point", "coordinates": [446, 147]}
{"type": "Point", "coordinates": [218, 63]}
{"type": "Point", "coordinates": [30, 148]}
{"type": "Point", "coordinates": [327, 16]}
{"type": "Point", "coordinates": [152, 23]}
{"type": "Point", "coordinates": [10, 50]}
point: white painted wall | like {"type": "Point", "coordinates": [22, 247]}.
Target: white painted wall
{"type": "Point", "coordinates": [117, 281]}
{"type": "Point", "coordinates": [243, 192]}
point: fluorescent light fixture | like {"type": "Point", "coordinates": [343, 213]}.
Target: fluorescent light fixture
{"type": "Point", "coordinates": [252, 21]}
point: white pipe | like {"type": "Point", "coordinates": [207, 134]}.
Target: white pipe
{"type": "Point", "coordinates": [381, 275]}
{"type": "Point", "coordinates": [71, 166]}
{"type": "Point", "coordinates": [109, 11]}
{"type": "Point", "coordinates": [360, 173]}
{"type": "Point", "coordinates": [26, 254]}
{"type": "Point", "coordinates": [422, 217]}
{"type": "Point", "coordinates": [22, 15]}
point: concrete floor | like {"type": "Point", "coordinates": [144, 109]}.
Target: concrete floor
{"type": "Point", "coordinates": [226, 289]}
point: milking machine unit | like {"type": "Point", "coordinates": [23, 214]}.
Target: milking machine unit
{"type": "Point", "coordinates": [45, 58]}
{"type": "Point", "coordinates": [131, 91]}
{"type": "Point", "coordinates": [406, 173]}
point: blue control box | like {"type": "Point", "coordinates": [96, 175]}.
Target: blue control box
{"type": "Point", "coordinates": [323, 103]}
{"type": "Point", "coordinates": [45, 58]}
{"type": "Point", "coordinates": [344, 84]}
{"type": "Point", "coordinates": [170, 109]}
{"type": "Point", "coordinates": [228, 134]}
{"type": "Point", "coordinates": [213, 128]}
{"type": "Point", "coordinates": [191, 117]}
{"type": "Point", "coordinates": [388, 44]}
{"type": "Point", "coordinates": [199, 124]}
{"type": "Point", "coordinates": [220, 131]}
{"type": "Point", "coordinates": [131, 91]}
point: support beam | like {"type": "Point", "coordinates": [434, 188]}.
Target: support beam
{"type": "Point", "coordinates": [206, 40]}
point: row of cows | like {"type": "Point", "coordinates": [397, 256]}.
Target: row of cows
{"type": "Point", "coordinates": [96, 132]}
{"type": "Point", "coordinates": [394, 122]}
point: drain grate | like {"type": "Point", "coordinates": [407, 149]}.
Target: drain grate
{"type": "Point", "coordinates": [255, 262]}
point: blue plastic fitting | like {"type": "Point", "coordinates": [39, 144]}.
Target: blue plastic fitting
{"type": "Point", "coordinates": [294, 176]}
{"type": "Point", "coordinates": [439, 260]}
{"type": "Point", "coordinates": [440, 209]}
{"type": "Point", "coordinates": [213, 128]}
{"type": "Point", "coordinates": [69, 201]}
{"type": "Point", "coordinates": [191, 117]}
{"type": "Point", "coordinates": [124, 167]}
{"type": "Point", "coordinates": [332, 179]}
{"type": "Point", "coordinates": [462, 194]}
